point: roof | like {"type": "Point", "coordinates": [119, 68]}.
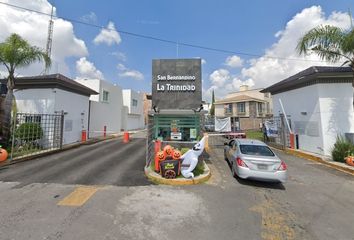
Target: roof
{"type": "Point", "coordinates": [52, 81]}
{"type": "Point", "coordinates": [240, 98]}
{"type": "Point", "coordinates": [248, 141]}
{"type": "Point", "coordinates": [311, 76]}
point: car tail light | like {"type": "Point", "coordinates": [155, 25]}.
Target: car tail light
{"type": "Point", "coordinates": [282, 166]}
{"type": "Point", "coordinates": [240, 162]}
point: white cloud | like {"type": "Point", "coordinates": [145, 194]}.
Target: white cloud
{"type": "Point", "coordinates": [108, 36]}
{"type": "Point", "coordinates": [87, 69]}
{"type": "Point", "coordinates": [89, 18]}
{"type": "Point", "coordinates": [266, 71]}
{"type": "Point", "coordinates": [120, 56]}
{"type": "Point", "coordinates": [203, 61]}
{"type": "Point", "coordinates": [220, 77]}
{"type": "Point", "coordinates": [234, 61]}
{"type": "Point", "coordinates": [33, 27]}
{"type": "Point", "coordinates": [125, 72]}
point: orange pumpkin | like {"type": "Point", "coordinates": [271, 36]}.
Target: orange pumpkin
{"type": "Point", "coordinates": [161, 155]}
{"type": "Point", "coordinates": [176, 154]}
{"type": "Point", "coordinates": [3, 154]}
{"type": "Point", "coordinates": [168, 150]}
{"type": "Point", "coordinates": [350, 160]}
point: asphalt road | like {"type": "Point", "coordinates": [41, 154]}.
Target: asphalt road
{"type": "Point", "coordinates": [105, 163]}
{"type": "Point", "coordinates": [316, 203]}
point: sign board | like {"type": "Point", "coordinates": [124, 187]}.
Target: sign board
{"type": "Point", "coordinates": [192, 133]}
{"type": "Point", "coordinates": [176, 83]}
{"type": "Point", "coordinates": [271, 128]}
{"type": "Point", "coordinates": [176, 136]}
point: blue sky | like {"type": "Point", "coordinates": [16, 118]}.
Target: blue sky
{"type": "Point", "coordinates": [264, 28]}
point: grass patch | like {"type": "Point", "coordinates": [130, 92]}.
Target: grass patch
{"type": "Point", "coordinates": [254, 134]}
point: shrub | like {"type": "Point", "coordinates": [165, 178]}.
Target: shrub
{"type": "Point", "coordinates": [29, 132]}
{"type": "Point", "coordinates": [341, 149]}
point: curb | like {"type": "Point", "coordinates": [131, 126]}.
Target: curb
{"type": "Point", "coordinates": [156, 178]}
{"type": "Point", "coordinates": [319, 160]}
{"type": "Point", "coordinates": [65, 148]}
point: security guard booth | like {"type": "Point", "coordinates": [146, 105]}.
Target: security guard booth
{"type": "Point", "coordinates": [176, 114]}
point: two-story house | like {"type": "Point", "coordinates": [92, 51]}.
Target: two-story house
{"type": "Point", "coordinates": [246, 108]}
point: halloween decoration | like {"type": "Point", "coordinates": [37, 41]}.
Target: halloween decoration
{"type": "Point", "coordinates": [176, 154]}
{"type": "Point", "coordinates": [190, 158]}
{"type": "Point", "coordinates": [168, 150]}
{"type": "Point", "coordinates": [3, 154]}
{"type": "Point", "coordinates": [350, 160]}
{"type": "Point", "coordinates": [170, 168]}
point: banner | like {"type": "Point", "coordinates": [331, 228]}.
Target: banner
{"type": "Point", "coordinates": [223, 124]}
{"type": "Point", "coordinates": [271, 128]}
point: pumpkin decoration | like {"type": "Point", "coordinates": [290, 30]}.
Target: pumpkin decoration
{"type": "Point", "coordinates": [350, 160]}
{"type": "Point", "coordinates": [168, 150]}
{"type": "Point", "coordinates": [161, 156]}
{"type": "Point", "coordinates": [176, 154]}
{"type": "Point", "coordinates": [3, 154]}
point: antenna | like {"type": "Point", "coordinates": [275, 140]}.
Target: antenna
{"type": "Point", "coordinates": [48, 49]}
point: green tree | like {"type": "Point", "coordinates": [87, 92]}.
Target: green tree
{"type": "Point", "coordinates": [330, 43]}
{"type": "Point", "coordinates": [16, 52]}
{"type": "Point", "coordinates": [212, 108]}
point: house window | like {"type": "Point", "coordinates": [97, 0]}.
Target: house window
{"type": "Point", "coordinates": [260, 107]}
{"type": "Point", "coordinates": [228, 108]}
{"type": "Point", "coordinates": [135, 102]}
{"type": "Point", "coordinates": [241, 107]}
{"type": "Point", "coordinates": [105, 95]}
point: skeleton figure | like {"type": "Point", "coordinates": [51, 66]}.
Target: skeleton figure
{"type": "Point", "coordinates": [190, 159]}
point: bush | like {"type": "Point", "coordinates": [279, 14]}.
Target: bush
{"type": "Point", "coordinates": [341, 149]}
{"type": "Point", "coordinates": [29, 132]}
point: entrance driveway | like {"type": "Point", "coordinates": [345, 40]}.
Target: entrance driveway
{"type": "Point", "coordinates": [105, 163]}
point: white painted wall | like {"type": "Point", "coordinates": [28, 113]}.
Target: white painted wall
{"type": "Point", "coordinates": [135, 118]}
{"type": "Point", "coordinates": [102, 113]}
{"type": "Point", "coordinates": [76, 108]}
{"type": "Point", "coordinates": [329, 112]}
{"type": "Point", "coordinates": [51, 101]}
{"type": "Point", "coordinates": [35, 100]}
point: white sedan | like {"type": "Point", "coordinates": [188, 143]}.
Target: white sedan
{"type": "Point", "coordinates": [253, 159]}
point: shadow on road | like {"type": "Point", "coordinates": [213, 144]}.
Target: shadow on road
{"type": "Point", "coordinates": [253, 183]}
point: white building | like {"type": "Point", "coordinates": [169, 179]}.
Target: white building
{"type": "Point", "coordinates": [319, 101]}
{"type": "Point", "coordinates": [105, 108]}
{"type": "Point", "coordinates": [133, 113]}
{"type": "Point", "coordinates": [52, 94]}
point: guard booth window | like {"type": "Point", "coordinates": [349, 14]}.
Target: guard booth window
{"type": "Point", "coordinates": [177, 128]}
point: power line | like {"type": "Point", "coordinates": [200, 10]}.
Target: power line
{"type": "Point", "coordinates": [163, 40]}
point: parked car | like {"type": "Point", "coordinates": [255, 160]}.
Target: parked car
{"type": "Point", "coordinates": [253, 159]}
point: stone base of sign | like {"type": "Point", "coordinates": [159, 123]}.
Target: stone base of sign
{"type": "Point", "coordinates": [158, 179]}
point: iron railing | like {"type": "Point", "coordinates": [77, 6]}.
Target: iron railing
{"type": "Point", "coordinates": [36, 133]}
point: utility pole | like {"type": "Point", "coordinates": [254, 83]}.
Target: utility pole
{"type": "Point", "coordinates": [48, 49]}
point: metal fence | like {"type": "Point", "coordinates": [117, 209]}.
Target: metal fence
{"type": "Point", "coordinates": [35, 133]}
{"type": "Point", "coordinates": [281, 138]}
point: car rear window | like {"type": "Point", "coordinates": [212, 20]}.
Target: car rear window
{"type": "Point", "coordinates": [256, 150]}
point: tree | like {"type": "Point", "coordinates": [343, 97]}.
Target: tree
{"type": "Point", "coordinates": [212, 108]}
{"type": "Point", "coordinates": [330, 43]}
{"type": "Point", "coordinates": [16, 52]}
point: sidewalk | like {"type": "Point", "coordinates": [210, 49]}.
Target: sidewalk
{"type": "Point", "coordinates": [321, 159]}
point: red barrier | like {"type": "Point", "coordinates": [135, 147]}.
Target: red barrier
{"type": "Point", "coordinates": [292, 141]}
{"type": "Point", "coordinates": [126, 137]}
{"type": "Point", "coordinates": [104, 131]}
{"type": "Point", "coordinates": [83, 136]}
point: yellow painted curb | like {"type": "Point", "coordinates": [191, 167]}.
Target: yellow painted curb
{"type": "Point", "coordinates": [319, 160]}
{"type": "Point", "coordinates": [156, 178]}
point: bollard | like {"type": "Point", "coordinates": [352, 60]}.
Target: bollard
{"type": "Point", "coordinates": [104, 131]}
{"type": "Point", "coordinates": [126, 137]}
{"type": "Point", "coordinates": [292, 141]}
{"type": "Point", "coordinates": [83, 136]}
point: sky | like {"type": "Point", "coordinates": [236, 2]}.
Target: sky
{"type": "Point", "coordinates": [98, 39]}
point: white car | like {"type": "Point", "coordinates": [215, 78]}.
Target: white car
{"type": "Point", "coordinates": [253, 159]}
